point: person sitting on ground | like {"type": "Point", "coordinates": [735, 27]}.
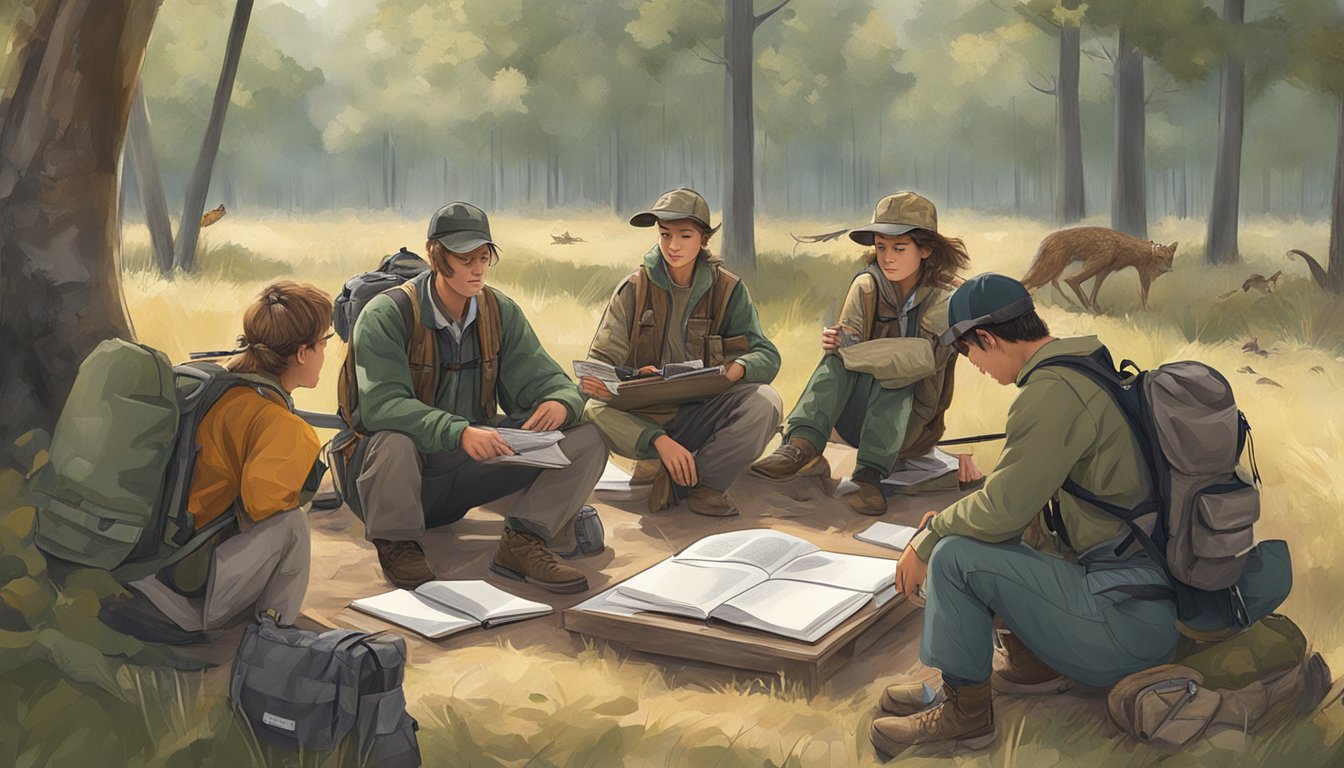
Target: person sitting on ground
{"type": "Point", "coordinates": [257, 461]}
{"type": "Point", "coordinates": [883, 382]}
{"type": "Point", "coordinates": [430, 416]}
{"type": "Point", "coordinates": [1088, 605]}
{"type": "Point", "coordinates": [682, 305]}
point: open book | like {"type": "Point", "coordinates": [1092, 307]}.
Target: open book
{"type": "Point", "coordinates": [614, 378]}
{"type": "Point", "coordinates": [440, 608]}
{"type": "Point", "coordinates": [763, 579]}
{"type": "Point", "coordinates": [532, 449]}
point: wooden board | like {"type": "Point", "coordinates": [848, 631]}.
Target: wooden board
{"type": "Point", "coordinates": [742, 648]}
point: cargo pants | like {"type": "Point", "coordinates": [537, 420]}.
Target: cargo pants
{"type": "Point", "coordinates": [867, 415]}
{"type": "Point", "coordinates": [1086, 623]}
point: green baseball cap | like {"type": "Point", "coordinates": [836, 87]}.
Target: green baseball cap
{"type": "Point", "coordinates": [680, 203]}
{"type": "Point", "coordinates": [460, 227]}
{"type": "Point", "coordinates": [985, 299]}
{"type": "Point", "coordinates": [897, 214]}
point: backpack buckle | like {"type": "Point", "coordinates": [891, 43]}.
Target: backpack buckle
{"type": "Point", "coordinates": [1238, 603]}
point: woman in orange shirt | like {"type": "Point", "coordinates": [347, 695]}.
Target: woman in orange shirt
{"type": "Point", "coordinates": [258, 462]}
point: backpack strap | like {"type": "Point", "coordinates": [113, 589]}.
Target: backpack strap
{"type": "Point", "coordinates": [422, 351]}
{"type": "Point", "coordinates": [489, 330]}
{"type": "Point", "coordinates": [647, 338]}
{"type": "Point", "coordinates": [719, 295]}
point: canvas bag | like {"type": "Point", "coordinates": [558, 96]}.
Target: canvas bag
{"type": "Point", "coordinates": [114, 493]}
{"type": "Point", "coordinates": [306, 691]}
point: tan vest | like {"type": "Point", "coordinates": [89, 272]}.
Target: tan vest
{"type": "Point", "coordinates": [704, 326]}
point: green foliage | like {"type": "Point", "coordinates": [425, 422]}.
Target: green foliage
{"type": "Point", "coordinates": [227, 261]}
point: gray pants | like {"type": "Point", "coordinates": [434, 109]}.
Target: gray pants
{"type": "Point", "coordinates": [403, 491]}
{"type": "Point", "coordinates": [1083, 623]}
{"type": "Point", "coordinates": [727, 432]}
{"type": "Point", "coordinates": [263, 567]}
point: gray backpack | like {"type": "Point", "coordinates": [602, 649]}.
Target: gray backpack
{"type": "Point", "coordinates": [359, 290]}
{"type": "Point", "coordinates": [312, 692]}
{"type": "Point", "coordinates": [1199, 522]}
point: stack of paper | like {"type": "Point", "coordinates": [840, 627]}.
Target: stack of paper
{"type": "Point", "coordinates": [532, 449]}
{"type": "Point", "coordinates": [917, 470]}
{"type": "Point", "coordinates": [887, 535]}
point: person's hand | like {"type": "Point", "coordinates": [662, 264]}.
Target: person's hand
{"type": "Point", "coordinates": [595, 389]}
{"type": "Point", "coordinates": [646, 370]}
{"type": "Point", "coordinates": [481, 443]}
{"type": "Point", "coordinates": [967, 472]}
{"type": "Point", "coordinates": [830, 338]}
{"type": "Point", "coordinates": [679, 461]}
{"type": "Point", "coordinates": [551, 414]}
{"type": "Point", "coordinates": [910, 570]}
{"type": "Point", "coordinates": [735, 371]}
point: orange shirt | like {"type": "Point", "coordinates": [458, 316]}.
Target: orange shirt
{"type": "Point", "coordinates": [252, 447]}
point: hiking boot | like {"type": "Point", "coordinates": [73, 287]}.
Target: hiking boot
{"type": "Point", "coordinates": [711, 503]}
{"type": "Point", "coordinates": [1023, 672]}
{"type": "Point", "coordinates": [644, 471]}
{"type": "Point", "coordinates": [902, 699]}
{"type": "Point", "coordinates": [524, 557]}
{"type": "Point", "coordinates": [663, 493]}
{"type": "Point", "coordinates": [964, 720]}
{"type": "Point", "coordinates": [403, 563]}
{"type": "Point", "coordinates": [795, 457]}
{"type": "Point", "coordinates": [140, 618]}
{"type": "Point", "coordinates": [868, 499]}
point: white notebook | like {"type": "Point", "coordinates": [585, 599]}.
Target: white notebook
{"type": "Point", "coordinates": [440, 608]}
{"type": "Point", "coordinates": [887, 535]}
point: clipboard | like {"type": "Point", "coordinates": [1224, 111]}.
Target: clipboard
{"type": "Point", "coordinates": [642, 393]}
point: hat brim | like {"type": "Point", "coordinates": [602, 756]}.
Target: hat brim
{"type": "Point", "coordinates": [864, 235]}
{"type": "Point", "coordinates": [1001, 315]}
{"type": "Point", "coordinates": [465, 242]}
{"type": "Point", "coordinates": [651, 218]}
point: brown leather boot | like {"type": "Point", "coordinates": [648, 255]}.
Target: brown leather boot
{"type": "Point", "coordinates": [795, 457]}
{"type": "Point", "coordinates": [524, 557]}
{"type": "Point", "coordinates": [965, 720]}
{"type": "Point", "coordinates": [902, 699]}
{"type": "Point", "coordinates": [868, 499]}
{"type": "Point", "coordinates": [644, 471]}
{"type": "Point", "coordinates": [403, 563]}
{"type": "Point", "coordinates": [711, 503]}
{"type": "Point", "coordinates": [661, 494]}
{"type": "Point", "coordinates": [1023, 673]}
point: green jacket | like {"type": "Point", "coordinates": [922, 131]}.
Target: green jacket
{"type": "Point", "coordinates": [630, 434]}
{"type": "Point", "coordinates": [1062, 425]}
{"type": "Point", "coordinates": [527, 375]}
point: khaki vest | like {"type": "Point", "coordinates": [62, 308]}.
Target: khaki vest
{"type": "Point", "coordinates": [704, 326]}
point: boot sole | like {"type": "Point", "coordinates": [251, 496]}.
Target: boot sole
{"type": "Point", "coordinates": [887, 749]}
{"type": "Point", "coordinates": [563, 588]}
{"type": "Point", "coordinates": [1002, 684]}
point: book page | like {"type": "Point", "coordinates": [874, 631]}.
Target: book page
{"type": "Point", "coordinates": [856, 572]}
{"type": "Point", "coordinates": [793, 609]}
{"type": "Point", "coordinates": [761, 547]}
{"type": "Point", "coordinates": [548, 457]}
{"type": "Point", "coordinates": [523, 440]}
{"type": "Point", "coordinates": [484, 602]}
{"type": "Point", "coordinates": [603, 372]}
{"type": "Point", "coordinates": [416, 613]}
{"type": "Point", "coordinates": [886, 534]}
{"type": "Point", "coordinates": [688, 589]}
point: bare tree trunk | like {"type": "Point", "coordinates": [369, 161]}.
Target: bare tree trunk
{"type": "Point", "coordinates": [149, 181]}
{"type": "Point", "coordinates": [1070, 205]}
{"type": "Point", "coordinates": [189, 228]}
{"type": "Point", "coordinates": [739, 233]}
{"type": "Point", "coordinates": [1331, 277]}
{"type": "Point", "coordinates": [66, 98]}
{"type": "Point", "coordinates": [1222, 239]}
{"type": "Point", "coordinates": [1129, 204]}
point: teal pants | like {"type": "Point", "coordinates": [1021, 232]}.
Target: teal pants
{"type": "Point", "coordinates": [1086, 624]}
{"type": "Point", "coordinates": [867, 415]}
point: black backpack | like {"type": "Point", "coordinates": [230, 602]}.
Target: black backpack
{"type": "Point", "coordinates": [359, 290]}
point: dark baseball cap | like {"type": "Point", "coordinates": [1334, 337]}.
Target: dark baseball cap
{"type": "Point", "coordinates": [460, 227]}
{"type": "Point", "coordinates": [896, 215]}
{"type": "Point", "coordinates": [985, 299]}
{"type": "Point", "coordinates": [674, 205]}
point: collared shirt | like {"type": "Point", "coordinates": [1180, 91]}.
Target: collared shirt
{"type": "Point", "coordinates": [443, 322]}
{"type": "Point", "coordinates": [905, 313]}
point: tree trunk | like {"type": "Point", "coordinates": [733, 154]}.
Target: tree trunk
{"type": "Point", "coordinates": [67, 96]}
{"type": "Point", "coordinates": [146, 162]}
{"type": "Point", "coordinates": [739, 232]}
{"type": "Point", "coordinates": [1129, 205]}
{"type": "Point", "coordinates": [1335, 283]}
{"type": "Point", "coordinates": [1222, 239]}
{"type": "Point", "coordinates": [1070, 205]}
{"type": "Point", "coordinates": [189, 228]}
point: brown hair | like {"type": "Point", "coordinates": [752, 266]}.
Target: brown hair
{"type": "Point", "coordinates": [947, 255]}
{"type": "Point", "coordinates": [286, 316]}
{"type": "Point", "coordinates": [439, 261]}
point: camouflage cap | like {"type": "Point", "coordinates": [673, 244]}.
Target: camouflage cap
{"type": "Point", "coordinates": [897, 214]}
{"type": "Point", "coordinates": [680, 203]}
{"type": "Point", "coordinates": [986, 299]}
{"type": "Point", "coordinates": [460, 227]}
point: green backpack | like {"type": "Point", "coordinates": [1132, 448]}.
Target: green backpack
{"type": "Point", "coordinates": [113, 494]}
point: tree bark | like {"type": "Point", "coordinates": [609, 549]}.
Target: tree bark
{"type": "Point", "coordinates": [63, 116]}
{"type": "Point", "coordinates": [149, 181]}
{"type": "Point", "coordinates": [1222, 238]}
{"type": "Point", "coordinates": [1129, 204]}
{"type": "Point", "coordinates": [189, 228]}
{"type": "Point", "coordinates": [1070, 204]}
{"type": "Point", "coordinates": [739, 233]}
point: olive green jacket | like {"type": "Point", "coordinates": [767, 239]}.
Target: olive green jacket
{"type": "Point", "coordinates": [1062, 425]}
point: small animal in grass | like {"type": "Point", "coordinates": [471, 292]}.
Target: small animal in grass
{"type": "Point", "coordinates": [566, 239]}
{"type": "Point", "coordinates": [1102, 252]}
{"type": "Point", "coordinates": [210, 217]}
{"type": "Point", "coordinates": [1253, 347]}
{"type": "Point", "coordinates": [1265, 285]}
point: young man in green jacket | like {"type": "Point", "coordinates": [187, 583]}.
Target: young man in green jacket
{"type": "Point", "coordinates": [429, 405]}
{"type": "Point", "coordinates": [682, 305]}
{"type": "Point", "coordinates": [1094, 609]}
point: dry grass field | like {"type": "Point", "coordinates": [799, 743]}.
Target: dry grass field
{"type": "Point", "coordinates": [516, 706]}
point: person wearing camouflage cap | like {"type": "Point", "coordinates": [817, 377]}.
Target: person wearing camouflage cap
{"type": "Point", "coordinates": [430, 405]}
{"type": "Point", "coordinates": [883, 382]}
{"type": "Point", "coordinates": [1068, 591]}
{"type": "Point", "coordinates": [681, 305]}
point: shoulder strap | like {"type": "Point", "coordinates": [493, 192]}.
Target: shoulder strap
{"type": "Point", "coordinates": [489, 330]}
{"type": "Point", "coordinates": [720, 294]}
{"type": "Point", "coordinates": [646, 341]}
{"type": "Point", "coordinates": [641, 284]}
{"type": "Point", "coordinates": [422, 351]}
